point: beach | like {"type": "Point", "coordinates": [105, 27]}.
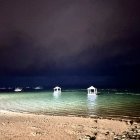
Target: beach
{"type": "Point", "coordinates": [21, 126]}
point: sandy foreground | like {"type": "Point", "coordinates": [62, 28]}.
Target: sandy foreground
{"type": "Point", "coordinates": [19, 126]}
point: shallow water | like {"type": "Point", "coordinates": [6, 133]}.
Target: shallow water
{"type": "Point", "coordinates": [77, 103]}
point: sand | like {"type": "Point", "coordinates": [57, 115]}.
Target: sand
{"type": "Point", "coordinates": [21, 126]}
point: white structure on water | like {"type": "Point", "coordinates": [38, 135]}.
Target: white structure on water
{"type": "Point", "coordinates": [57, 90]}
{"type": "Point", "coordinates": [92, 90]}
{"type": "Point", "coordinates": [18, 89]}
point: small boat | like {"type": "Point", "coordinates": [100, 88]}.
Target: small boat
{"type": "Point", "coordinates": [18, 89]}
{"type": "Point", "coordinates": [38, 88]}
{"type": "Point", "coordinates": [92, 90]}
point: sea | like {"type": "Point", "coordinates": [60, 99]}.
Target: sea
{"type": "Point", "coordinates": [108, 103]}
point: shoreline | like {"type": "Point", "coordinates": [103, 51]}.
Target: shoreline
{"type": "Point", "coordinates": [117, 118]}
{"type": "Point", "coordinates": [26, 126]}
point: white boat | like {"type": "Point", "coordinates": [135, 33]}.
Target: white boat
{"type": "Point", "coordinates": [38, 88]}
{"type": "Point", "coordinates": [92, 90]}
{"type": "Point", "coordinates": [18, 89]}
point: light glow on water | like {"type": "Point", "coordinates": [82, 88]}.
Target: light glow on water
{"type": "Point", "coordinates": [77, 103]}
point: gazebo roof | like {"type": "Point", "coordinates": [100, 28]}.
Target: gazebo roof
{"type": "Point", "coordinates": [91, 87]}
{"type": "Point", "coordinates": [57, 87]}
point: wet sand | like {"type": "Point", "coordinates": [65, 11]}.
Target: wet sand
{"type": "Point", "coordinates": [19, 126]}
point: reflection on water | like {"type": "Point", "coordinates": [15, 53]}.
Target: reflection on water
{"type": "Point", "coordinates": [91, 103]}
{"type": "Point", "coordinates": [91, 100]}
{"type": "Point", "coordinates": [72, 103]}
{"type": "Point", "coordinates": [56, 94]}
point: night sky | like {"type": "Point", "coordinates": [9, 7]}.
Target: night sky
{"type": "Point", "coordinates": [73, 43]}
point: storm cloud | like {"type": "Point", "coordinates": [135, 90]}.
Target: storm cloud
{"type": "Point", "coordinates": [77, 37]}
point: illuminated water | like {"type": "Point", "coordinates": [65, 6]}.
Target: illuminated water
{"type": "Point", "coordinates": [78, 103]}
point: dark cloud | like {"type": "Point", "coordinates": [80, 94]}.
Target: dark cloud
{"type": "Point", "coordinates": [78, 37]}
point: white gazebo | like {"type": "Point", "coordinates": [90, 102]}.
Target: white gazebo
{"type": "Point", "coordinates": [92, 90]}
{"type": "Point", "coordinates": [57, 90]}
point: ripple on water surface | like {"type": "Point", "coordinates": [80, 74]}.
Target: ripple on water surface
{"type": "Point", "coordinates": [73, 103]}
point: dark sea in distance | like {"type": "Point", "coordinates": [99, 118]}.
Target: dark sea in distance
{"type": "Point", "coordinates": [109, 103]}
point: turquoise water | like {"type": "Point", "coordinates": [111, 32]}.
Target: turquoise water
{"type": "Point", "coordinates": [77, 103]}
